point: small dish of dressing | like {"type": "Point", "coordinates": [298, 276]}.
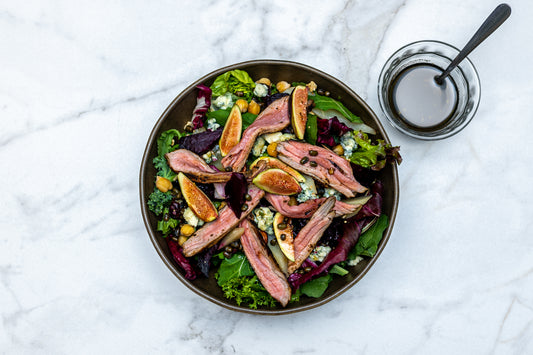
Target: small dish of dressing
{"type": "Point", "coordinates": [415, 104]}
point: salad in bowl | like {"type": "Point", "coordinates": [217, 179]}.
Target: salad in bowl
{"type": "Point", "coordinates": [270, 190]}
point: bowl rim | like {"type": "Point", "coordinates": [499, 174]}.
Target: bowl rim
{"type": "Point", "coordinates": [153, 236]}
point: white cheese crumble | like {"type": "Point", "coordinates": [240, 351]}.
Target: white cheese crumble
{"type": "Point", "coordinates": [212, 124]}
{"type": "Point", "coordinates": [329, 191]}
{"type": "Point", "coordinates": [355, 261]}
{"type": "Point", "coordinates": [192, 218]}
{"type": "Point", "coordinates": [224, 101]}
{"type": "Point", "coordinates": [259, 147]}
{"type": "Point", "coordinates": [348, 144]}
{"type": "Point", "coordinates": [320, 253]}
{"type": "Point", "coordinates": [261, 90]}
{"type": "Point", "coordinates": [308, 190]}
{"type": "Point", "coordinates": [264, 218]}
{"type": "Point", "coordinates": [278, 137]}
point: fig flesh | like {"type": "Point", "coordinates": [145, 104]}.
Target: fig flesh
{"type": "Point", "coordinates": [299, 110]}
{"type": "Point", "coordinates": [196, 199]}
{"type": "Point", "coordinates": [271, 162]}
{"type": "Point", "coordinates": [277, 181]}
{"type": "Point", "coordinates": [231, 135]}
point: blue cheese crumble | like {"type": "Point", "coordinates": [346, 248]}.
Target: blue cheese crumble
{"type": "Point", "coordinates": [320, 253]}
{"type": "Point", "coordinates": [329, 191]}
{"type": "Point", "coordinates": [212, 124]}
{"type": "Point", "coordinates": [264, 219]}
{"type": "Point", "coordinates": [308, 190]}
{"type": "Point", "coordinates": [348, 144]}
{"type": "Point", "coordinates": [259, 147]}
{"type": "Point", "coordinates": [224, 102]}
{"type": "Point", "coordinates": [192, 218]}
{"type": "Point", "coordinates": [261, 90]}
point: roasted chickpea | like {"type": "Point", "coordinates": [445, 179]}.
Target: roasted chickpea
{"type": "Point", "coordinates": [163, 184]}
{"type": "Point", "coordinates": [253, 107]}
{"type": "Point", "coordinates": [243, 105]}
{"type": "Point", "coordinates": [265, 81]}
{"type": "Point", "coordinates": [282, 86]}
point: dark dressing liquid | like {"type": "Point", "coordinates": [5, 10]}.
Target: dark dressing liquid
{"type": "Point", "coordinates": [419, 101]}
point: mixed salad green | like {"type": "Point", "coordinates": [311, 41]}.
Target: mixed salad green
{"type": "Point", "coordinates": [329, 124]}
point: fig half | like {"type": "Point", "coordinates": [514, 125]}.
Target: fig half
{"type": "Point", "coordinates": [271, 162]}
{"type": "Point", "coordinates": [197, 201]}
{"type": "Point", "coordinates": [277, 181]}
{"type": "Point", "coordinates": [231, 135]}
{"type": "Point", "coordinates": [299, 110]}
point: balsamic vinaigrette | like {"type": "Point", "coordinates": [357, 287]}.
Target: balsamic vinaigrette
{"type": "Point", "coordinates": [419, 101]}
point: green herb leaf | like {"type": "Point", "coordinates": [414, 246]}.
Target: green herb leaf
{"type": "Point", "coordinates": [316, 288]}
{"type": "Point", "coordinates": [339, 270]}
{"type": "Point", "coordinates": [164, 142]}
{"type": "Point", "coordinates": [158, 201]}
{"type": "Point", "coordinates": [221, 116]}
{"type": "Point", "coordinates": [167, 226]}
{"type": "Point", "coordinates": [236, 266]}
{"type": "Point", "coordinates": [327, 103]}
{"type": "Point", "coordinates": [233, 81]}
{"type": "Point", "coordinates": [160, 163]}
{"type": "Point", "coordinates": [311, 129]}
{"type": "Point", "coordinates": [247, 290]}
{"type": "Point", "coordinates": [368, 242]}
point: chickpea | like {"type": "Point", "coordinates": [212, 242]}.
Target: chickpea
{"type": "Point", "coordinates": [243, 105]}
{"type": "Point", "coordinates": [265, 81]}
{"type": "Point", "coordinates": [186, 230]}
{"type": "Point", "coordinates": [182, 239]}
{"type": "Point", "coordinates": [253, 107]}
{"type": "Point", "coordinates": [338, 149]}
{"type": "Point", "coordinates": [271, 149]}
{"type": "Point", "coordinates": [163, 184]}
{"type": "Point", "coordinates": [282, 86]}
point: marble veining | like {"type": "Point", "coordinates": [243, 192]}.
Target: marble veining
{"type": "Point", "coordinates": [81, 86]}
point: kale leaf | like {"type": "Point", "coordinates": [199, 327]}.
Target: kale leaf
{"type": "Point", "coordinates": [247, 290]}
{"type": "Point", "coordinates": [158, 201]}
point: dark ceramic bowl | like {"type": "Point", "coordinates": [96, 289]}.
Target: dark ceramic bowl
{"type": "Point", "coordinates": [179, 112]}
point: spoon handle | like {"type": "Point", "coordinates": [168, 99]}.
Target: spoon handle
{"type": "Point", "coordinates": [495, 19]}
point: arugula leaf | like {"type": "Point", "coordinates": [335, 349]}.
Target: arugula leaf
{"type": "Point", "coordinates": [327, 103]}
{"type": "Point", "coordinates": [339, 270]}
{"type": "Point", "coordinates": [164, 142]}
{"type": "Point", "coordinates": [221, 116]}
{"type": "Point", "coordinates": [311, 129]}
{"type": "Point", "coordinates": [236, 266]}
{"type": "Point", "coordinates": [233, 81]}
{"type": "Point", "coordinates": [158, 201]}
{"type": "Point", "coordinates": [367, 244]}
{"type": "Point", "coordinates": [248, 290]}
{"type": "Point", "coordinates": [316, 288]}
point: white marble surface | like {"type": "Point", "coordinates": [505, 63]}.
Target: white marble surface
{"type": "Point", "coordinates": [81, 85]}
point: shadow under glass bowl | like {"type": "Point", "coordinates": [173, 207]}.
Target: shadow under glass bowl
{"type": "Point", "coordinates": [180, 111]}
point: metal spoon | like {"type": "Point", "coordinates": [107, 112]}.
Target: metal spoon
{"type": "Point", "coordinates": [495, 19]}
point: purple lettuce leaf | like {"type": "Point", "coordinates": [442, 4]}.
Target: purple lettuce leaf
{"type": "Point", "coordinates": [181, 260]}
{"type": "Point", "coordinates": [350, 235]}
{"type": "Point", "coordinates": [203, 102]}
{"type": "Point", "coordinates": [200, 143]}
{"type": "Point", "coordinates": [373, 207]}
{"type": "Point", "coordinates": [235, 190]}
{"type": "Point", "coordinates": [204, 260]}
{"type": "Point", "coordinates": [327, 128]}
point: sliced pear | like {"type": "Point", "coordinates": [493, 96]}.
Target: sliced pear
{"type": "Point", "coordinates": [197, 201]}
{"type": "Point", "coordinates": [284, 235]}
{"type": "Point", "coordinates": [280, 258]}
{"type": "Point", "coordinates": [277, 181]}
{"type": "Point", "coordinates": [231, 135]}
{"type": "Point", "coordinates": [276, 163]}
{"type": "Point", "coordinates": [299, 110]}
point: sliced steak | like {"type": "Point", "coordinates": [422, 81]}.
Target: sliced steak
{"type": "Point", "coordinates": [307, 208]}
{"type": "Point", "coordinates": [264, 266]}
{"type": "Point", "coordinates": [187, 162]}
{"type": "Point", "coordinates": [306, 240]}
{"type": "Point", "coordinates": [213, 231]}
{"type": "Point", "coordinates": [274, 118]}
{"type": "Point", "coordinates": [325, 166]}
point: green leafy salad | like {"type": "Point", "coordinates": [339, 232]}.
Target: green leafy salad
{"type": "Point", "coordinates": [271, 188]}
